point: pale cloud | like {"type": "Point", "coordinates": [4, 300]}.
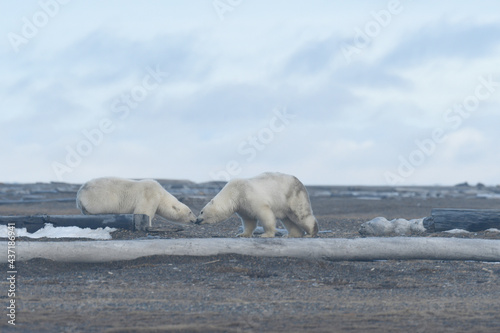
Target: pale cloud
{"type": "Point", "coordinates": [225, 77]}
{"type": "Point", "coordinates": [465, 146]}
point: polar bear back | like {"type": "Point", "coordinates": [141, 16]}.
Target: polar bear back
{"type": "Point", "coordinates": [116, 195]}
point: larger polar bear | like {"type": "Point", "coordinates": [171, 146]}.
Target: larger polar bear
{"type": "Point", "coordinates": [265, 198]}
{"type": "Point", "coordinates": [112, 195]}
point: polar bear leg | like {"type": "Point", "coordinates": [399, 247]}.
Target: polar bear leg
{"type": "Point", "coordinates": [249, 226]}
{"type": "Point", "coordinates": [268, 221]}
{"type": "Point", "coordinates": [310, 225]}
{"type": "Point", "coordinates": [293, 229]}
{"type": "Point", "coordinates": [307, 223]}
{"type": "Point", "coordinates": [148, 209]}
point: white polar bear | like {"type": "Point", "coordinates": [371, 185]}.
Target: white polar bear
{"type": "Point", "coordinates": [111, 195]}
{"type": "Point", "coordinates": [265, 198]}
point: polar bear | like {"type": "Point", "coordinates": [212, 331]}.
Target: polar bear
{"type": "Point", "coordinates": [112, 195]}
{"type": "Point", "coordinates": [265, 198]}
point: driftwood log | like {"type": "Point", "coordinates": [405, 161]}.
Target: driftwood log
{"type": "Point", "coordinates": [33, 223]}
{"type": "Point", "coordinates": [371, 248]}
{"type": "Point", "coordinates": [443, 219]}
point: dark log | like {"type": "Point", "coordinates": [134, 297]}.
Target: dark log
{"type": "Point", "coordinates": [33, 223]}
{"type": "Point", "coordinates": [33, 201]}
{"type": "Point", "coordinates": [472, 220]}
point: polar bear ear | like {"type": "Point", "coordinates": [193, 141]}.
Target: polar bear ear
{"type": "Point", "coordinates": [174, 207]}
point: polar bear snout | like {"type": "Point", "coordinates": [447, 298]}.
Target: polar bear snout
{"type": "Point", "coordinates": [199, 221]}
{"type": "Point", "coordinates": [192, 218]}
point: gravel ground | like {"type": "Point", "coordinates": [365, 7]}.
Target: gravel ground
{"type": "Point", "coordinates": [233, 293]}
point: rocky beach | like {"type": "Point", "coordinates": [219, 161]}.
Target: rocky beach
{"type": "Point", "coordinates": [237, 293]}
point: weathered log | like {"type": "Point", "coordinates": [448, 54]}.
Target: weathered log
{"type": "Point", "coordinates": [33, 223]}
{"type": "Point", "coordinates": [371, 248]}
{"type": "Point", "coordinates": [473, 220]}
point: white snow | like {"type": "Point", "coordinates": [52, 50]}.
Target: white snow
{"type": "Point", "coordinates": [50, 231]}
{"type": "Point", "coordinates": [457, 231]}
{"type": "Point", "coordinates": [489, 195]}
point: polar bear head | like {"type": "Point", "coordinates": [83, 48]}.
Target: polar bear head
{"type": "Point", "coordinates": [182, 213]}
{"type": "Point", "coordinates": [215, 211]}
{"type": "Point", "coordinates": [173, 209]}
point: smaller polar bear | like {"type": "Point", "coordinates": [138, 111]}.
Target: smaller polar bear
{"type": "Point", "coordinates": [265, 198]}
{"type": "Point", "coordinates": [111, 195]}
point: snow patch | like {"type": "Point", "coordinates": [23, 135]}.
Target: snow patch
{"type": "Point", "coordinates": [488, 195]}
{"type": "Point", "coordinates": [457, 231]}
{"type": "Point", "coordinates": [50, 231]}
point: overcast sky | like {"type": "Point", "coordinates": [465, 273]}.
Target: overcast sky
{"type": "Point", "coordinates": [334, 92]}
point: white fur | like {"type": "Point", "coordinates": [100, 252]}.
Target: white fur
{"type": "Point", "coordinates": [265, 198]}
{"type": "Point", "coordinates": [111, 195]}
